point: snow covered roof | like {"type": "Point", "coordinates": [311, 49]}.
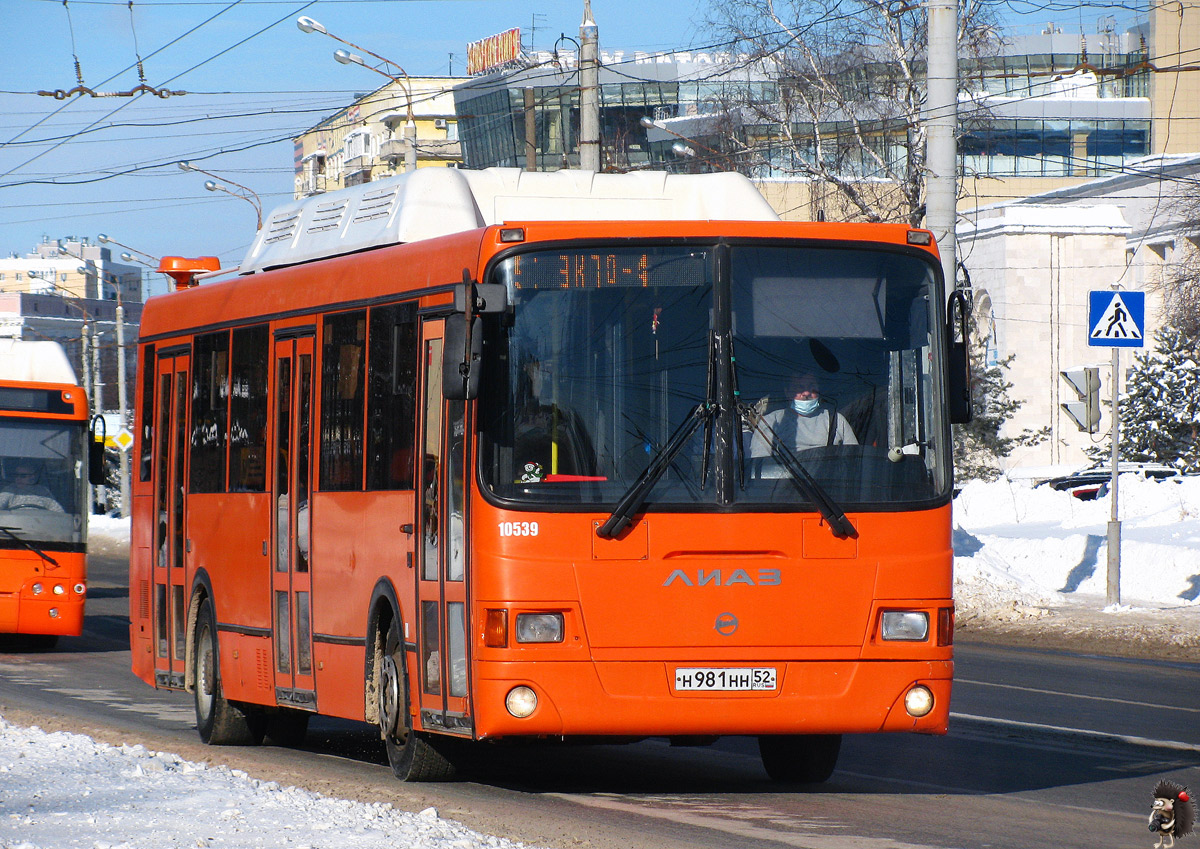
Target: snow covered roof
{"type": "Point", "coordinates": [35, 362]}
{"type": "Point", "coordinates": [1028, 218]}
{"type": "Point", "coordinates": [433, 202]}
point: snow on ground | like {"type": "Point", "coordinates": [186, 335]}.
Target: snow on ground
{"type": "Point", "coordinates": [1022, 551]}
{"type": "Point", "coordinates": [1023, 555]}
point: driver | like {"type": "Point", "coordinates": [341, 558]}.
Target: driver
{"type": "Point", "coordinates": [25, 489]}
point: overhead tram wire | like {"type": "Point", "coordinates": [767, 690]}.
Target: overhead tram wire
{"type": "Point", "coordinates": [172, 79]}
{"type": "Point", "coordinates": [68, 103]}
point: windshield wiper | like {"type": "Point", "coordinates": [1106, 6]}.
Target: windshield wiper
{"type": "Point", "coordinates": [8, 532]}
{"type": "Point", "coordinates": [636, 495]}
{"type": "Point", "coordinates": [805, 482]}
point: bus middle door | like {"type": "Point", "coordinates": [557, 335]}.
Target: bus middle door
{"type": "Point", "coordinates": [444, 667]}
{"type": "Point", "coordinates": [291, 579]}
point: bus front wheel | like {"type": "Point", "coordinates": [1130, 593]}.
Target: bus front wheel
{"type": "Point", "coordinates": [219, 722]}
{"type": "Point", "coordinates": [800, 758]}
{"type": "Point", "coordinates": [411, 754]}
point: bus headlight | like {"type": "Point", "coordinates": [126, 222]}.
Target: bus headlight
{"type": "Point", "coordinates": [918, 701]}
{"type": "Point", "coordinates": [539, 627]}
{"type": "Point", "coordinates": [521, 701]}
{"type": "Point", "coordinates": [907, 625]}
{"type": "Point", "coordinates": [59, 589]}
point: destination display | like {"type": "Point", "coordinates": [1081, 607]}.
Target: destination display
{"type": "Point", "coordinates": [594, 269]}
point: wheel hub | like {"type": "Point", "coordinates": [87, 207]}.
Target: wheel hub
{"type": "Point", "coordinates": [389, 696]}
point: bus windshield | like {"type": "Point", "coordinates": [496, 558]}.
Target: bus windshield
{"type": "Point", "coordinates": [42, 484]}
{"type": "Point", "coordinates": [812, 355]}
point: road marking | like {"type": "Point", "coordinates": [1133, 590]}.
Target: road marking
{"type": "Point", "coordinates": [118, 701]}
{"type": "Point", "coordinates": [799, 832]}
{"type": "Point", "coordinates": [1074, 695]}
{"type": "Point", "coordinates": [1082, 732]}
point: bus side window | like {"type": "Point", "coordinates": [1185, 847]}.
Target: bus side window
{"type": "Point", "coordinates": [249, 368]}
{"type": "Point", "coordinates": [210, 412]}
{"type": "Point", "coordinates": [147, 414]}
{"type": "Point", "coordinates": [392, 396]}
{"type": "Point", "coordinates": [343, 363]}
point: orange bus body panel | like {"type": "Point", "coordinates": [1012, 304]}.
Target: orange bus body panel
{"type": "Point", "coordinates": [635, 607]}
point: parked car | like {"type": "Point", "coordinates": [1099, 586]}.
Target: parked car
{"type": "Point", "coordinates": [1089, 484]}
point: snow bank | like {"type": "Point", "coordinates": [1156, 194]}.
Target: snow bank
{"type": "Point", "coordinates": [62, 791]}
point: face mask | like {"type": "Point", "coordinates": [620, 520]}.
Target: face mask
{"type": "Point", "coordinates": [805, 406]}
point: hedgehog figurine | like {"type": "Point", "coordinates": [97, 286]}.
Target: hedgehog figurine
{"type": "Point", "coordinates": [1173, 813]}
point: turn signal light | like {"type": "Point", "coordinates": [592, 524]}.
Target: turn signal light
{"type": "Point", "coordinates": [945, 626]}
{"type": "Point", "coordinates": [495, 629]}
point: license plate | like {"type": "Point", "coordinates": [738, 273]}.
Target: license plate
{"type": "Point", "coordinates": [725, 678]}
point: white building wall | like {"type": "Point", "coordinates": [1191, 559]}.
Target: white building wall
{"type": "Point", "coordinates": [1031, 268]}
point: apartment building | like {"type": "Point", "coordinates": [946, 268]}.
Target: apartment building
{"type": "Point", "coordinates": [369, 138]}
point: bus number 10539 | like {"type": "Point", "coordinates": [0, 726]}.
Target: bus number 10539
{"type": "Point", "coordinates": [518, 529]}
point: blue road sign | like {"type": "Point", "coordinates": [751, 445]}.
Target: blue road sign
{"type": "Point", "coordinates": [1116, 319]}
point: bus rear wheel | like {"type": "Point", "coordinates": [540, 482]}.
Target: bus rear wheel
{"type": "Point", "coordinates": [800, 758]}
{"type": "Point", "coordinates": [411, 754]}
{"type": "Point", "coordinates": [219, 722]}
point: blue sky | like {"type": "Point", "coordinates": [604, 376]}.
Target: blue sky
{"type": "Point", "coordinates": [82, 166]}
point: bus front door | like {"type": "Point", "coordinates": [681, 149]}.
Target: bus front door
{"type": "Point", "coordinates": [291, 579]}
{"type": "Point", "coordinates": [170, 486]}
{"type": "Point", "coordinates": [444, 666]}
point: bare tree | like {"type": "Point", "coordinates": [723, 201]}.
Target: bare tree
{"type": "Point", "coordinates": [1180, 279]}
{"type": "Point", "coordinates": [849, 112]}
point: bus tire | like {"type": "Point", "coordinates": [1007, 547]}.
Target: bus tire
{"type": "Point", "coordinates": [287, 727]}
{"type": "Point", "coordinates": [411, 754]}
{"type": "Point", "coordinates": [800, 758]}
{"type": "Point", "coordinates": [219, 722]}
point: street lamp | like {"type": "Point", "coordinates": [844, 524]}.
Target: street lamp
{"type": "Point", "coordinates": [250, 196]}
{"type": "Point", "coordinates": [345, 57]}
{"type": "Point", "coordinates": [104, 240]}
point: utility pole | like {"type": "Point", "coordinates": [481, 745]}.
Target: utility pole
{"type": "Point", "coordinates": [1112, 593]}
{"type": "Point", "coordinates": [941, 122]}
{"type": "Point", "coordinates": [589, 92]}
{"type": "Point", "coordinates": [122, 401]}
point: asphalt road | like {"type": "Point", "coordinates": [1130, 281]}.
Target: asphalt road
{"type": "Point", "coordinates": [1044, 748]}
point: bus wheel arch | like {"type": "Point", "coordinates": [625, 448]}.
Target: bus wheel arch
{"type": "Point", "coordinates": [218, 721]}
{"type": "Point", "coordinates": [382, 611]}
{"type": "Point", "coordinates": [201, 591]}
{"type": "Point", "coordinates": [413, 755]}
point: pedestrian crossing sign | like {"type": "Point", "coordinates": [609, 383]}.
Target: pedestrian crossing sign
{"type": "Point", "coordinates": [1116, 319]}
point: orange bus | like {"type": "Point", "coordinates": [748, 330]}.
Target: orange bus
{"type": "Point", "coordinates": [43, 492]}
{"type": "Point", "coordinates": [475, 456]}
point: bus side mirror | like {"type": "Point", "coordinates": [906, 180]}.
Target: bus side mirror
{"type": "Point", "coordinates": [958, 389]}
{"type": "Point", "coordinates": [96, 471]}
{"type": "Point", "coordinates": [460, 373]}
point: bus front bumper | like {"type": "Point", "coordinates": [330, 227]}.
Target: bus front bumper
{"type": "Point", "coordinates": [645, 699]}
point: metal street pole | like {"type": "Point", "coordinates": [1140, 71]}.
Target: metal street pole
{"type": "Point", "coordinates": [122, 401]}
{"type": "Point", "coordinates": [941, 121]}
{"type": "Point", "coordinates": [98, 400]}
{"type": "Point", "coordinates": [589, 92]}
{"type": "Point", "coordinates": [1113, 594]}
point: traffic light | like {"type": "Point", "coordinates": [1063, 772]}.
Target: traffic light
{"type": "Point", "coordinates": [1086, 411]}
